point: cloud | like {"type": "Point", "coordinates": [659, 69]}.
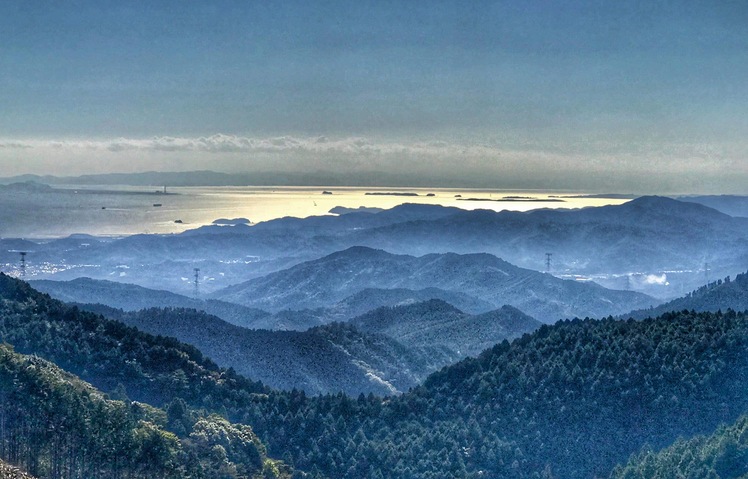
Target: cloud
{"type": "Point", "coordinates": [656, 279]}
{"type": "Point", "coordinates": [221, 143]}
{"type": "Point", "coordinates": [594, 166]}
{"type": "Point", "coordinates": [15, 145]}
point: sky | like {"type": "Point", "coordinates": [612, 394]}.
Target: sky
{"type": "Point", "coordinates": [640, 96]}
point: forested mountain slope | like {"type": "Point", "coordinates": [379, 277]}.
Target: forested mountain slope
{"type": "Point", "coordinates": [435, 324]}
{"type": "Point", "coordinates": [719, 295]}
{"type": "Point", "coordinates": [386, 351]}
{"type": "Point", "coordinates": [723, 454]}
{"type": "Point", "coordinates": [327, 359]}
{"type": "Point", "coordinates": [108, 353]}
{"type": "Point", "coordinates": [572, 399]}
{"type": "Point", "coordinates": [11, 472]}
{"type": "Point", "coordinates": [57, 426]}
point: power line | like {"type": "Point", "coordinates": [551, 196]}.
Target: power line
{"type": "Point", "coordinates": [197, 282]}
{"type": "Point", "coordinates": [23, 263]}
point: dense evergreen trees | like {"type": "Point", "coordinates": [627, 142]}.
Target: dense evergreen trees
{"type": "Point", "coordinates": [575, 398]}
{"type": "Point", "coordinates": [110, 355]}
{"type": "Point", "coordinates": [571, 400]}
{"type": "Point", "coordinates": [57, 426]}
{"type": "Point", "coordinates": [723, 454]}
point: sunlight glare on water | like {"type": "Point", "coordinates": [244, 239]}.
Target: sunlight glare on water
{"type": "Point", "coordinates": [116, 211]}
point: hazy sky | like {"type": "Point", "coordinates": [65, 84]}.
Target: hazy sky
{"type": "Point", "coordinates": [634, 96]}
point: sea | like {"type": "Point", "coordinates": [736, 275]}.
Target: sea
{"type": "Point", "coordinates": [125, 210]}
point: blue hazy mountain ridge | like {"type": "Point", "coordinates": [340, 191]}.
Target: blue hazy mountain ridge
{"type": "Point", "coordinates": [326, 281]}
{"type": "Point", "coordinates": [336, 357]}
{"type": "Point", "coordinates": [719, 295]}
{"type": "Point", "coordinates": [366, 300]}
{"type": "Point", "coordinates": [733, 205]}
{"type": "Point", "coordinates": [131, 297]}
{"type": "Point", "coordinates": [647, 234]}
{"type": "Point", "coordinates": [644, 234]}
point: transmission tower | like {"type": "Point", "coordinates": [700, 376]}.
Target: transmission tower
{"type": "Point", "coordinates": [23, 263]}
{"type": "Point", "coordinates": [628, 282]}
{"type": "Point", "coordinates": [197, 282]}
{"type": "Point", "coordinates": [548, 262]}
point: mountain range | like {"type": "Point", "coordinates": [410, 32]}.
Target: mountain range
{"type": "Point", "coordinates": [354, 358]}
{"type": "Point", "coordinates": [131, 297]}
{"type": "Point", "coordinates": [437, 324]}
{"type": "Point", "coordinates": [326, 281]}
{"type": "Point", "coordinates": [608, 387]}
{"type": "Point", "coordinates": [646, 237]}
{"type": "Point", "coordinates": [328, 359]}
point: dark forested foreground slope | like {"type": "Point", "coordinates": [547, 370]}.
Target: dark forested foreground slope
{"type": "Point", "coordinates": [575, 398]}
{"type": "Point", "coordinates": [723, 454]}
{"type": "Point", "coordinates": [56, 426]}
{"type": "Point", "coordinates": [572, 399]}
{"type": "Point", "coordinates": [107, 353]}
{"type": "Point", "coordinates": [718, 295]}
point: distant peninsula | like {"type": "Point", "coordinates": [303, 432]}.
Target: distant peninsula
{"type": "Point", "coordinates": [390, 193]}
{"type": "Point", "coordinates": [232, 221]}
{"type": "Point", "coordinates": [509, 199]}
{"type": "Point", "coordinates": [344, 210]}
{"type": "Point", "coordinates": [604, 196]}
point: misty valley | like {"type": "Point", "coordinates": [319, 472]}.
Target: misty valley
{"type": "Point", "coordinates": [414, 341]}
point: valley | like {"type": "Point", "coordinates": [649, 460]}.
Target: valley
{"type": "Point", "coordinates": [314, 331]}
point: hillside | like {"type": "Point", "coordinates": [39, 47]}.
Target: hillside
{"type": "Point", "coordinates": [131, 297]}
{"type": "Point", "coordinates": [326, 281]}
{"type": "Point", "coordinates": [732, 205]}
{"type": "Point", "coordinates": [57, 426]}
{"type": "Point", "coordinates": [723, 454]}
{"type": "Point", "coordinates": [327, 359]}
{"type": "Point", "coordinates": [606, 387]}
{"type": "Point", "coordinates": [364, 301]}
{"type": "Point", "coordinates": [436, 323]}
{"type": "Point", "coordinates": [364, 356]}
{"type": "Point", "coordinates": [107, 353]}
{"type": "Point", "coordinates": [719, 295]}
{"type": "Point", "coordinates": [572, 400]}
{"type": "Point", "coordinates": [646, 235]}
